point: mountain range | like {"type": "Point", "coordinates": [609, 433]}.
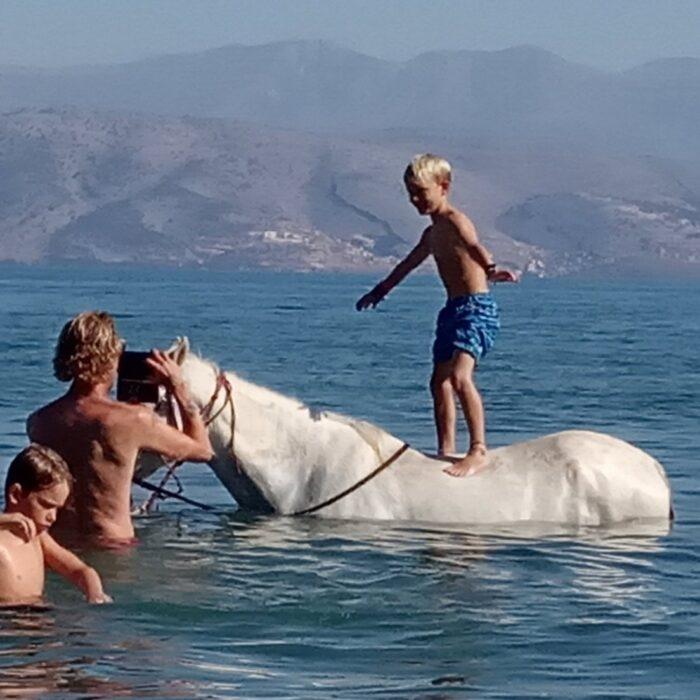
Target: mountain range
{"type": "Point", "coordinates": [291, 155]}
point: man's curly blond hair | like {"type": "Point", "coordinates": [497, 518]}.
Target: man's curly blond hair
{"type": "Point", "coordinates": [87, 348]}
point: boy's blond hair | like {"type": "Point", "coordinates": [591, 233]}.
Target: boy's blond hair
{"type": "Point", "coordinates": [87, 348]}
{"type": "Point", "coordinates": [35, 468]}
{"type": "Point", "coordinates": [427, 167]}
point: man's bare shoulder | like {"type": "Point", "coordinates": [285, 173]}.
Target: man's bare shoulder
{"type": "Point", "coordinates": [45, 411]}
{"type": "Point", "coordinates": [132, 424]}
{"type": "Point", "coordinates": [44, 419]}
{"type": "Point", "coordinates": [129, 416]}
{"type": "Point", "coordinates": [120, 428]}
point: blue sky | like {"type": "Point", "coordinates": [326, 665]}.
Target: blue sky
{"type": "Point", "coordinates": [605, 33]}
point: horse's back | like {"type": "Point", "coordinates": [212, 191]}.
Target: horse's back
{"type": "Point", "coordinates": [574, 477]}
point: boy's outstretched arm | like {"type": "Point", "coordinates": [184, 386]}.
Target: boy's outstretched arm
{"type": "Point", "coordinates": [409, 263]}
{"type": "Point", "coordinates": [481, 255]}
{"type": "Point", "coordinates": [74, 569]}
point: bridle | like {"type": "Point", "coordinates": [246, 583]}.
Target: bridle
{"type": "Point", "coordinates": [159, 490]}
{"type": "Point", "coordinates": [222, 383]}
{"type": "Point", "coordinates": [209, 416]}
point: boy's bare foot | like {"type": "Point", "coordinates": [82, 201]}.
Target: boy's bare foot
{"type": "Point", "coordinates": [473, 462]}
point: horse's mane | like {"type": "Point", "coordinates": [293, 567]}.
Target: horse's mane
{"type": "Point", "coordinates": [370, 433]}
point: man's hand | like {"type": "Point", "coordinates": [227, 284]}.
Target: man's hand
{"type": "Point", "coordinates": [192, 443]}
{"type": "Point", "coordinates": [501, 274]}
{"type": "Point", "coordinates": [19, 525]}
{"type": "Point", "coordinates": [372, 298]}
{"type": "Point", "coordinates": [167, 371]}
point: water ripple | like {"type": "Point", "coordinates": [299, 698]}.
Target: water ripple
{"type": "Point", "coordinates": [219, 605]}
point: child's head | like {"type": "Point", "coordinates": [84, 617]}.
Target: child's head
{"type": "Point", "coordinates": [37, 484]}
{"type": "Point", "coordinates": [88, 348]}
{"type": "Point", "coordinates": [426, 168]}
{"type": "Point", "coordinates": [427, 178]}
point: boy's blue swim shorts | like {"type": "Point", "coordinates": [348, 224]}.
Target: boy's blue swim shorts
{"type": "Point", "coordinates": [469, 323]}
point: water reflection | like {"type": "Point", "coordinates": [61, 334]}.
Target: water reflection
{"type": "Point", "coordinates": [46, 652]}
{"type": "Point", "coordinates": [30, 641]}
{"type": "Point", "coordinates": [229, 605]}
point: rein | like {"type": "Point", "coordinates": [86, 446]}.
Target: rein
{"type": "Point", "coordinates": [159, 491]}
{"type": "Point", "coordinates": [356, 485]}
{"type": "Point", "coordinates": [222, 383]}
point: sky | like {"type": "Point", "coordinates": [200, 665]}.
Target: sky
{"type": "Point", "coordinates": [609, 34]}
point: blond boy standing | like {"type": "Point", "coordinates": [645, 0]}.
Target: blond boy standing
{"type": "Point", "coordinates": [469, 322]}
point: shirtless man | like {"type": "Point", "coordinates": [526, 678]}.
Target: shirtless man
{"type": "Point", "coordinates": [36, 487]}
{"type": "Point", "coordinates": [468, 323]}
{"type": "Point", "coordinates": [100, 438]}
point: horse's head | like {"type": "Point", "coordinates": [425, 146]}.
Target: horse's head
{"type": "Point", "coordinates": [199, 378]}
{"type": "Point", "coordinates": [226, 408]}
{"type": "Point", "coordinates": [200, 375]}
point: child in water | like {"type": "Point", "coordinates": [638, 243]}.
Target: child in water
{"type": "Point", "coordinates": [469, 322]}
{"type": "Point", "coordinates": [37, 486]}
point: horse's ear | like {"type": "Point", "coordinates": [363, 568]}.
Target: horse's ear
{"type": "Point", "coordinates": [179, 349]}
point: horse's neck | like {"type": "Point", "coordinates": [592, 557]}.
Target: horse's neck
{"type": "Point", "coordinates": [289, 452]}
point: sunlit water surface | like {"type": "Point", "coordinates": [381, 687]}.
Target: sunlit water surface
{"type": "Point", "coordinates": [225, 605]}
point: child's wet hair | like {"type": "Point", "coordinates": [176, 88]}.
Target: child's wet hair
{"type": "Point", "coordinates": [427, 167]}
{"type": "Point", "coordinates": [35, 468]}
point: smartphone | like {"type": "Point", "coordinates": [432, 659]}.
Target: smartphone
{"type": "Point", "coordinates": [135, 381]}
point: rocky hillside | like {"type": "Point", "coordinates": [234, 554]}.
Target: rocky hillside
{"type": "Point", "coordinates": [109, 187]}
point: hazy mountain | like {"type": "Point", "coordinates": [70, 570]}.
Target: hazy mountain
{"type": "Point", "coordinates": [114, 188]}
{"type": "Point", "coordinates": [515, 96]}
{"type": "Point", "coordinates": [583, 232]}
{"type": "Point", "coordinates": [563, 167]}
{"type": "Point", "coordinates": [95, 186]}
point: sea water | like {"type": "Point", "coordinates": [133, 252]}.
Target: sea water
{"type": "Point", "coordinates": [223, 604]}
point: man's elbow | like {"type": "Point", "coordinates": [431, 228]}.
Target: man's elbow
{"type": "Point", "coordinates": [201, 453]}
{"type": "Point", "coordinates": [207, 455]}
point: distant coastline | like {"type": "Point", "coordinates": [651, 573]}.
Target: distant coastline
{"type": "Point", "coordinates": [253, 157]}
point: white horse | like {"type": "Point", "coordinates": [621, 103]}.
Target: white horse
{"type": "Point", "coordinates": [275, 454]}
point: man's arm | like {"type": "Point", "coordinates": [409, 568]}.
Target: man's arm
{"type": "Point", "coordinates": [153, 434]}
{"type": "Point", "coordinates": [469, 236]}
{"type": "Point", "coordinates": [69, 566]}
{"type": "Point", "coordinates": [419, 253]}
{"type": "Point", "coordinates": [192, 443]}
